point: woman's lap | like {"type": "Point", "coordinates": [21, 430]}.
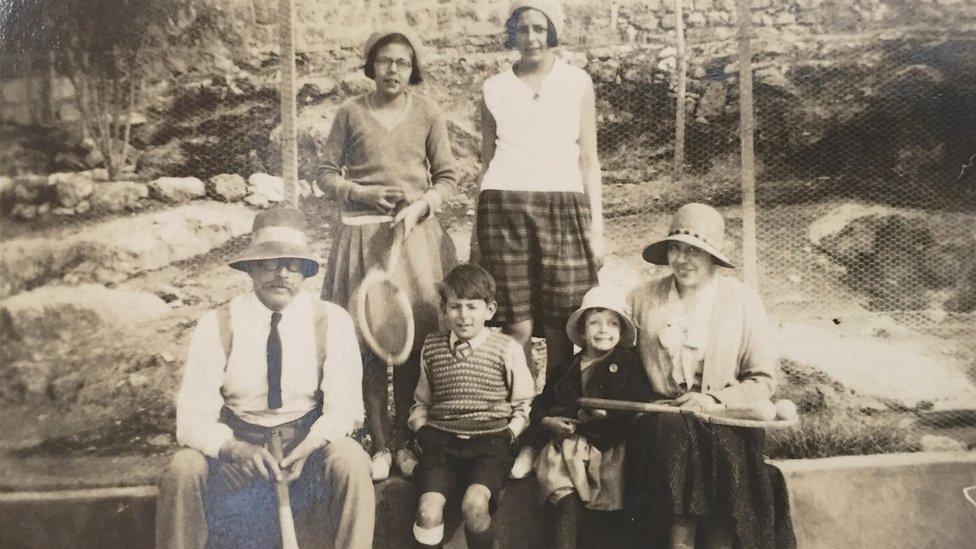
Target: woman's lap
{"type": "Point", "coordinates": [678, 465]}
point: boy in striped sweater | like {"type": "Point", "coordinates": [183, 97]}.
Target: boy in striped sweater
{"type": "Point", "coordinates": [471, 403]}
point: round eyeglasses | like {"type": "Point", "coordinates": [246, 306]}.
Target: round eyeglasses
{"type": "Point", "coordinates": [290, 264]}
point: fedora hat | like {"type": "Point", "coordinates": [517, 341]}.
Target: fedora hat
{"type": "Point", "coordinates": [403, 30]}
{"type": "Point", "coordinates": [278, 233]}
{"type": "Point", "coordinates": [550, 8]}
{"type": "Point", "coordinates": [696, 224]}
{"type": "Point", "coordinates": [602, 297]}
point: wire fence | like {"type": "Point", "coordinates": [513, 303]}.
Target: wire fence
{"type": "Point", "coordinates": [864, 211]}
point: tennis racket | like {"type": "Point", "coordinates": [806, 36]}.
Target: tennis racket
{"type": "Point", "coordinates": [384, 316]}
{"type": "Point", "coordinates": [285, 518]}
{"type": "Point", "coordinates": [756, 416]}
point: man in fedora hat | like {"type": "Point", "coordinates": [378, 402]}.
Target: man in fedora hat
{"type": "Point", "coordinates": [273, 363]}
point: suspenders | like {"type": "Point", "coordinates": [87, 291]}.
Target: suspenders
{"type": "Point", "coordinates": [224, 328]}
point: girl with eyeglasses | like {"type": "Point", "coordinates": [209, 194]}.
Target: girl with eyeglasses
{"type": "Point", "coordinates": [388, 162]}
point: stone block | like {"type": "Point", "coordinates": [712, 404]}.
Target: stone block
{"type": "Point", "coordinates": [71, 187]}
{"type": "Point", "coordinates": [227, 187]}
{"type": "Point", "coordinates": [177, 189]}
{"type": "Point", "coordinates": [118, 196]}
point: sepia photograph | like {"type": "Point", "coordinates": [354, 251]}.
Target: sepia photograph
{"type": "Point", "coordinates": [487, 274]}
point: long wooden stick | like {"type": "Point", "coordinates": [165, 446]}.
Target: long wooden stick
{"type": "Point", "coordinates": [289, 540]}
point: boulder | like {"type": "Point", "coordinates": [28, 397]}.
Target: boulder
{"type": "Point", "coordinates": [941, 443]}
{"type": "Point", "coordinates": [118, 196]}
{"type": "Point", "coordinates": [314, 90]}
{"type": "Point", "coordinates": [71, 187]}
{"type": "Point", "coordinates": [113, 306]}
{"type": "Point", "coordinates": [264, 189]}
{"type": "Point", "coordinates": [177, 189]}
{"type": "Point", "coordinates": [227, 187]}
{"type": "Point", "coordinates": [889, 253]}
{"type": "Point", "coordinates": [6, 186]}
{"type": "Point", "coordinates": [114, 250]}
{"type": "Point", "coordinates": [31, 189]}
{"type": "Point", "coordinates": [163, 159]}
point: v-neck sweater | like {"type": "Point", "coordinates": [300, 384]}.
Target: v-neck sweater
{"type": "Point", "coordinates": [414, 154]}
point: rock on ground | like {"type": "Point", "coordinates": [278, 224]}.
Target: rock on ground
{"type": "Point", "coordinates": [118, 196]}
{"type": "Point", "coordinates": [115, 306]}
{"type": "Point", "coordinates": [72, 188]}
{"type": "Point", "coordinates": [177, 189]}
{"type": "Point", "coordinates": [115, 250]}
{"type": "Point", "coordinates": [227, 187]}
{"type": "Point", "coordinates": [264, 189]}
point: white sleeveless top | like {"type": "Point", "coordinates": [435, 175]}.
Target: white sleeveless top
{"type": "Point", "coordinates": [537, 143]}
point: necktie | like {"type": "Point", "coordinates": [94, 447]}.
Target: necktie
{"type": "Point", "coordinates": [274, 363]}
{"type": "Point", "coordinates": [462, 349]}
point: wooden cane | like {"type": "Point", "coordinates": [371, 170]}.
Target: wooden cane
{"type": "Point", "coordinates": [285, 518]}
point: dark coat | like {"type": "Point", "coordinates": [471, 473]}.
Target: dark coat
{"type": "Point", "coordinates": [618, 376]}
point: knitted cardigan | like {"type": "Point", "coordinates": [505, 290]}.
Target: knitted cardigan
{"type": "Point", "coordinates": [740, 360]}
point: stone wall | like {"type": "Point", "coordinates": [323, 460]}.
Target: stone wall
{"type": "Point", "coordinates": [476, 25]}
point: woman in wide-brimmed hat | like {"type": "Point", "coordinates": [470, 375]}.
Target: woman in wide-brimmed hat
{"type": "Point", "coordinates": [388, 163]}
{"type": "Point", "coordinates": [704, 339]}
{"type": "Point", "coordinates": [539, 224]}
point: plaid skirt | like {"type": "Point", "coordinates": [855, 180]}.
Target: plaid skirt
{"type": "Point", "coordinates": [426, 256]}
{"type": "Point", "coordinates": [677, 465]}
{"type": "Point", "coordinates": [537, 247]}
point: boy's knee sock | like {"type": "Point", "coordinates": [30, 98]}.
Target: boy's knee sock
{"type": "Point", "coordinates": [567, 513]}
{"type": "Point", "coordinates": [429, 537]}
{"type": "Point", "coordinates": [480, 540]}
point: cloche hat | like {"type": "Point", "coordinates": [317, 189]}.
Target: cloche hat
{"type": "Point", "coordinates": [696, 224]}
{"type": "Point", "coordinates": [603, 297]}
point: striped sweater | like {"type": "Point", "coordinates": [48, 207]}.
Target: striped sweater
{"type": "Point", "coordinates": [468, 396]}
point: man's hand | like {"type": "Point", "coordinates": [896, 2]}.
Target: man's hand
{"type": "Point", "coordinates": [559, 427]}
{"type": "Point", "coordinates": [251, 457]}
{"type": "Point", "coordinates": [411, 215]}
{"type": "Point", "coordinates": [383, 197]}
{"type": "Point", "coordinates": [589, 415]}
{"type": "Point", "coordinates": [294, 462]}
{"type": "Point", "coordinates": [699, 402]}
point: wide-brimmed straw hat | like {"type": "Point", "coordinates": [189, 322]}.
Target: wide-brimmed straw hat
{"type": "Point", "coordinates": [278, 233]}
{"type": "Point", "coordinates": [699, 225]}
{"type": "Point", "coordinates": [550, 8]}
{"type": "Point", "coordinates": [602, 297]}
{"type": "Point", "coordinates": [395, 28]}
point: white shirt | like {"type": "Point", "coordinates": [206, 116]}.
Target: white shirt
{"type": "Point", "coordinates": [537, 135]}
{"type": "Point", "coordinates": [241, 383]}
{"type": "Point", "coordinates": [518, 377]}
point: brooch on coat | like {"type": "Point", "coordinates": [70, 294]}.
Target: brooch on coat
{"type": "Point", "coordinates": [614, 368]}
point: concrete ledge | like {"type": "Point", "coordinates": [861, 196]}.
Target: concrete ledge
{"type": "Point", "coordinates": [899, 500]}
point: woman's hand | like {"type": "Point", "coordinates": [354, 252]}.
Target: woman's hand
{"type": "Point", "coordinates": [383, 197]}
{"type": "Point", "coordinates": [411, 215]}
{"type": "Point", "coordinates": [699, 402]}
{"type": "Point", "coordinates": [599, 247]}
{"type": "Point", "coordinates": [559, 427]}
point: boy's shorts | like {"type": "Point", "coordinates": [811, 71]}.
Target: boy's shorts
{"type": "Point", "coordinates": [447, 459]}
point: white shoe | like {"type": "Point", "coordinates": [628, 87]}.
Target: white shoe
{"type": "Point", "coordinates": [406, 462]}
{"type": "Point", "coordinates": [382, 461]}
{"type": "Point", "coordinates": [523, 463]}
